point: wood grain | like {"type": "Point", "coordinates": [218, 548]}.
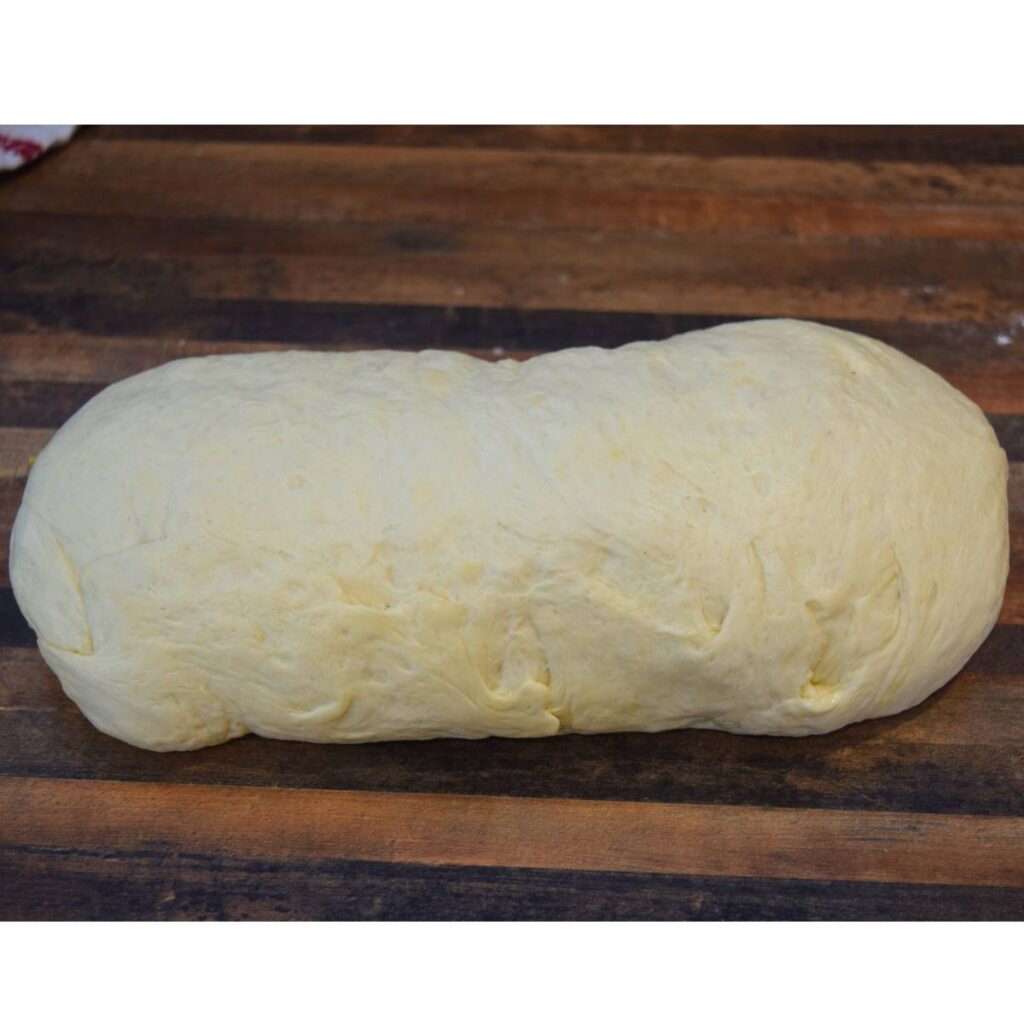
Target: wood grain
{"type": "Point", "coordinates": [577, 835]}
{"type": "Point", "coordinates": [380, 185]}
{"type": "Point", "coordinates": [18, 447]}
{"type": "Point", "coordinates": [925, 280]}
{"type": "Point", "coordinates": [951, 144]}
{"type": "Point", "coordinates": [137, 245]}
{"type": "Point", "coordinates": [990, 348]}
{"type": "Point", "coordinates": [152, 885]}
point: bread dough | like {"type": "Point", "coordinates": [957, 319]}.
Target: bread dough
{"type": "Point", "coordinates": [767, 527]}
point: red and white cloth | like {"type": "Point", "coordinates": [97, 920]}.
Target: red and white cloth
{"type": "Point", "coordinates": [23, 143]}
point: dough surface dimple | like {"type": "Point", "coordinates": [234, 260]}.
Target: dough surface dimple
{"type": "Point", "coordinates": [766, 527]}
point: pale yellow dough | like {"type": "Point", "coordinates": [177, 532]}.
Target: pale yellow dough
{"type": "Point", "coordinates": [768, 527]}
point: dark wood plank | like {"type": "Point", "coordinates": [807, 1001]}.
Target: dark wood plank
{"type": "Point", "coordinates": [924, 280]}
{"type": "Point", "coordinates": [154, 318]}
{"type": "Point", "coordinates": [560, 834]}
{"type": "Point", "coordinates": [61, 330]}
{"type": "Point", "coordinates": [1010, 432]}
{"type": "Point", "coordinates": [954, 144]}
{"type": "Point", "coordinates": [31, 403]}
{"type": "Point", "coordinates": [14, 630]}
{"type": "Point", "coordinates": [179, 886]}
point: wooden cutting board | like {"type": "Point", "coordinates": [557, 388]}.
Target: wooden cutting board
{"type": "Point", "coordinates": [135, 246]}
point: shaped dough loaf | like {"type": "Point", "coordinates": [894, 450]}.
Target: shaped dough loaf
{"type": "Point", "coordinates": [768, 527]}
